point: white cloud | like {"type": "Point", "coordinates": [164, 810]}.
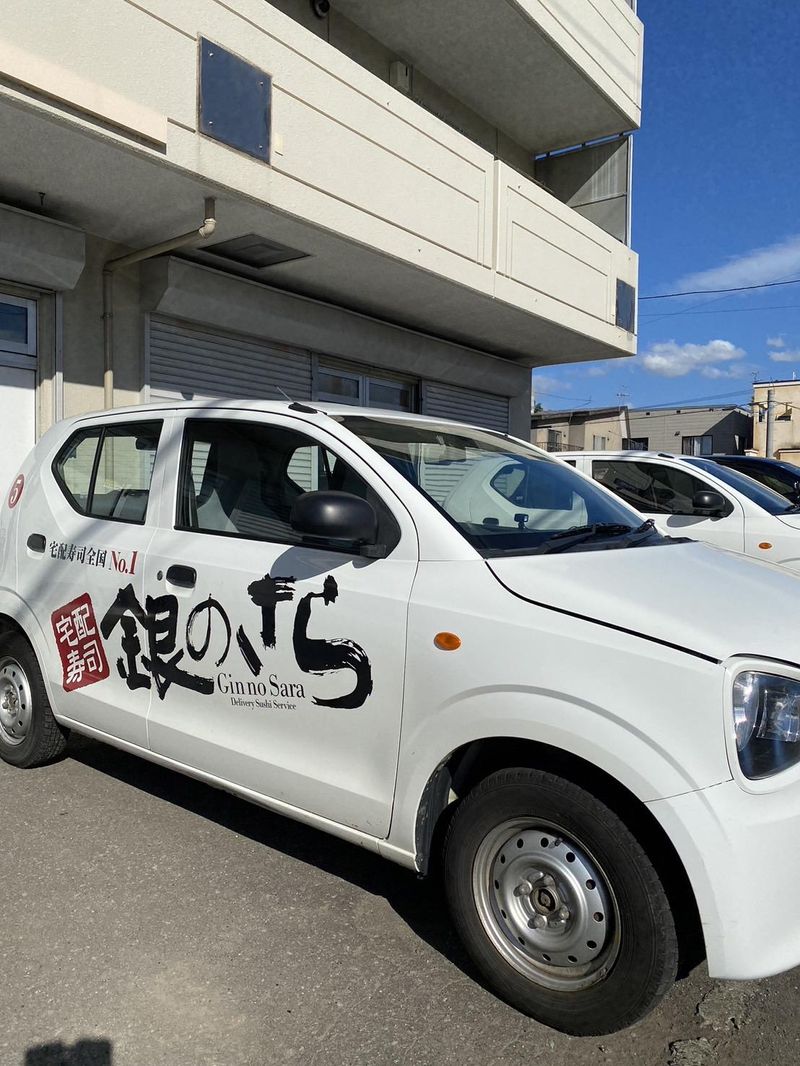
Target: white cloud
{"type": "Point", "coordinates": [771, 263]}
{"type": "Point", "coordinates": [597, 371]}
{"type": "Point", "coordinates": [716, 359]}
{"type": "Point", "coordinates": [785, 356]}
{"type": "Point", "coordinates": [776, 342]}
{"type": "Point", "coordinates": [545, 383]}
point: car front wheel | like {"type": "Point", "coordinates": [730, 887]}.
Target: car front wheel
{"type": "Point", "coordinates": [558, 904]}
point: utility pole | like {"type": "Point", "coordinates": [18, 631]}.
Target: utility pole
{"type": "Point", "coordinates": [770, 423]}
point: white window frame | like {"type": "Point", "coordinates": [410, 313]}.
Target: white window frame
{"type": "Point", "coordinates": [14, 347]}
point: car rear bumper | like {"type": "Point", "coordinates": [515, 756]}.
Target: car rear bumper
{"type": "Point", "coordinates": [742, 854]}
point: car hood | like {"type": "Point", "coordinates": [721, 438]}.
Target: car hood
{"type": "Point", "coordinates": [792, 520]}
{"type": "Point", "coordinates": [704, 600]}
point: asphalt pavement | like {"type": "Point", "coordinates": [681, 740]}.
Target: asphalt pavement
{"type": "Point", "coordinates": [149, 920]}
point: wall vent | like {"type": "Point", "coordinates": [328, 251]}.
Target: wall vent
{"type": "Point", "coordinates": [254, 251]}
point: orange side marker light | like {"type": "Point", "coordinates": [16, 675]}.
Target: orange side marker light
{"type": "Point", "coordinates": [765, 544]}
{"type": "Point", "coordinates": [447, 641]}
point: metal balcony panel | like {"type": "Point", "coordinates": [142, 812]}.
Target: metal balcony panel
{"type": "Point", "coordinates": [549, 73]}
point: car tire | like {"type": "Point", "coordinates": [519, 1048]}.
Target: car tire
{"type": "Point", "coordinates": [558, 904]}
{"type": "Point", "coordinates": [29, 734]}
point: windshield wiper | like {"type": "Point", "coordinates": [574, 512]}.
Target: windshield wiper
{"type": "Point", "coordinates": [568, 538]}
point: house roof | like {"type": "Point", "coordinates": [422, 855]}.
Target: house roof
{"type": "Point", "coordinates": [577, 412]}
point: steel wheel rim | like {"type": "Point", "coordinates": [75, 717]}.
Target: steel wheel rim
{"type": "Point", "coordinates": [546, 904]}
{"type": "Point", "coordinates": [16, 708]}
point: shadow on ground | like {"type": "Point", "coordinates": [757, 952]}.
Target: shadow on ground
{"type": "Point", "coordinates": [81, 1053]}
{"type": "Point", "coordinates": [419, 902]}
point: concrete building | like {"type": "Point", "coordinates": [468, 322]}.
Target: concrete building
{"type": "Point", "coordinates": [408, 205]}
{"type": "Point", "coordinates": [685, 430]}
{"type": "Point", "coordinates": [785, 420]}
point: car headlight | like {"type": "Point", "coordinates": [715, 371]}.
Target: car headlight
{"type": "Point", "coordinates": [766, 717]}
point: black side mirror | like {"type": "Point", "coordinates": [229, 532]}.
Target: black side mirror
{"type": "Point", "coordinates": [710, 503]}
{"type": "Point", "coordinates": [335, 516]}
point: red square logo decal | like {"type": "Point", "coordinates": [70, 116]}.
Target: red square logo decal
{"type": "Point", "coordinates": [83, 659]}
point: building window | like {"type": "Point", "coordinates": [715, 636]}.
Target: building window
{"type": "Point", "coordinates": [554, 440]}
{"type": "Point", "coordinates": [703, 445]}
{"type": "Point", "coordinates": [338, 386]}
{"type": "Point", "coordinates": [635, 444]}
{"type": "Point", "coordinates": [362, 390]}
{"type": "Point", "coordinates": [598, 443]}
{"type": "Point", "coordinates": [393, 395]}
{"type": "Point", "coordinates": [17, 325]}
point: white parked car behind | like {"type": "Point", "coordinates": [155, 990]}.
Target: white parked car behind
{"type": "Point", "coordinates": [442, 644]}
{"type": "Point", "coordinates": [694, 497]}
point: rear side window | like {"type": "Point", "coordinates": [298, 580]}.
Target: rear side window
{"type": "Point", "coordinates": [105, 471]}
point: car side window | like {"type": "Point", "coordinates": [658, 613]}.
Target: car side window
{"type": "Point", "coordinates": [652, 487]}
{"type": "Point", "coordinates": [240, 479]}
{"type": "Point", "coordinates": [105, 471]}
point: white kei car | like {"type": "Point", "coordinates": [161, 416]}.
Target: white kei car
{"type": "Point", "coordinates": [692, 496]}
{"type": "Point", "coordinates": [342, 615]}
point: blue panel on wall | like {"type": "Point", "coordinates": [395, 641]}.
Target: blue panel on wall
{"type": "Point", "coordinates": [235, 101]}
{"type": "Point", "coordinates": [626, 306]}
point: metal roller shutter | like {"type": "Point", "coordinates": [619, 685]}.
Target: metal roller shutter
{"type": "Point", "coordinates": [465, 405]}
{"type": "Point", "coordinates": [195, 362]}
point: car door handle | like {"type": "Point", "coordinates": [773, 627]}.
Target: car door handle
{"type": "Point", "coordinates": [37, 542]}
{"type": "Point", "coordinates": [183, 576]}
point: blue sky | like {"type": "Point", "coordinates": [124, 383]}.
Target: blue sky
{"type": "Point", "coordinates": [716, 204]}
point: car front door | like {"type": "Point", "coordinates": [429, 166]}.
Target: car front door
{"type": "Point", "coordinates": [83, 534]}
{"type": "Point", "coordinates": [665, 492]}
{"type": "Point", "coordinates": [278, 665]}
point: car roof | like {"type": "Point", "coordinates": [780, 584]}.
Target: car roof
{"type": "Point", "coordinates": [626, 454]}
{"type": "Point", "coordinates": [311, 407]}
{"type": "Point", "coordinates": [751, 459]}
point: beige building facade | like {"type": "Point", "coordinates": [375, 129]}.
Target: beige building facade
{"type": "Point", "coordinates": [374, 202]}
{"type": "Point", "coordinates": [785, 420]}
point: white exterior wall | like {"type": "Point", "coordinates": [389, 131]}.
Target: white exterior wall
{"type": "Point", "coordinates": [605, 38]}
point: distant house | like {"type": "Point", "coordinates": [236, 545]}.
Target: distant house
{"type": "Point", "coordinates": [686, 430]}
{"type": "Point", "coordinates": [564, 431]}
{"type": "Point", "coordinates": [690, 430]}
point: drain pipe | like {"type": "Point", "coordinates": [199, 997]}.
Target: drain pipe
{"type": "Point", "coordinates": [109, 268]}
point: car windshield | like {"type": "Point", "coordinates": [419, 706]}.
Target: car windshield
{"type": "Point", "coordinates": [780, 477]}
{"type": "Point", "coordinates": [771, 501]}
{"type": "Point", "coordinates": [503, 496]}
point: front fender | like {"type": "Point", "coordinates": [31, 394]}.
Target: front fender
{"type": "Point", "coordinates": [633, 758]}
